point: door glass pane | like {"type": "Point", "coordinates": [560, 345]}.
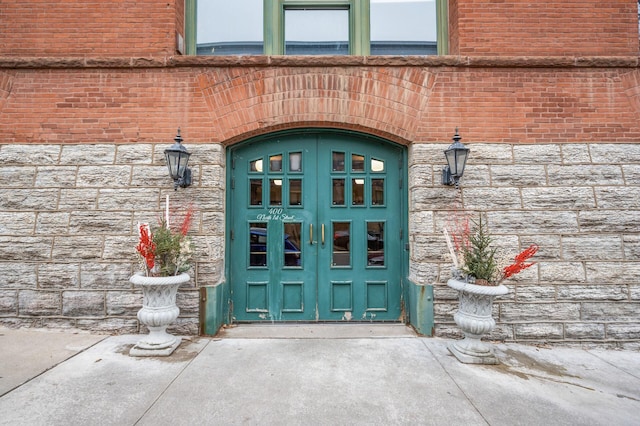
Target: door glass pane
{"type": "Point", "coordinates": [377, 192]}
{"type": "Point", "coordinates": [357, 163]}
{"type": "Point", "coordinates": [403, 27]}
{"type": "Point", "coordinates": [338, 192]}
{"type": "Point", "coordinates": [292, 237]}
{"type": "Point", "coordinates": [295, 192]}
{"type": "Point", "coordinates": [230, 27]}
{"type": "Point", "coordinates": [316, 31]}
{"type": "Point", "coordinates": [357, 192]}
{"type": "Point", "coordinates": [275, 192]}
{"type": "Point", "coordinates": [377, 165]}
{"type": "Point", "coordinates": [375, 243]}
{"type": "Point", "coordinates": [338, 161]}
{"type": "Point", "coordinates": [256, 192]}
{"type": "Point", "coordinates": [295, 161]}
{"type": "Point", "coordinates": [256, 166]}
{"type": "Point", "coordinates": [341, 244]}
{"type": "Point", "coordinates": [258, 244]}
{"type": "Point", "coordinates": [275, 163]}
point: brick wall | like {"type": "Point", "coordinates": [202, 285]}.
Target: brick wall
{"type": "Point", "coordinates": [539, 28]}
{"type": "Point", "coordinates": [87, 28]}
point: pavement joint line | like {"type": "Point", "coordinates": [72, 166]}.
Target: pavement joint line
{"type": "Point", "coordinates": [613, 365]}
{"type": "Point", "coordinates": [54, 366]}
{"type": "Point", "coordinates": [475, 407]}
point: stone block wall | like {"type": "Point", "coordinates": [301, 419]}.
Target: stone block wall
{"type": "Point", "coordinates": [68, 228]}
{"type": "Point", "coordinates": [579, 202]}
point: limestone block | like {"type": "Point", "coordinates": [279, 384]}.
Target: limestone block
{"type": "Point", "coordinates": [105, 275]}
{"type": "Point", "coordinates": [519, 312]}
{"type": "Point", "coordinates": [210, 273]}
{"type": "Point", "coordinates": [592, 247]}
{"type": "Point", "coordinates": [634, 291]}
{"type": "Point", "coordinates": [631, 173]}
{"type": "Point", "coordinates": [88, 154]}
{"type": "Point", "coordinates": [104, 176]}
{"type": "Point", "coordinates": [17, 176]}
{"type": "Point", "coordinates": [213, 223]}
{"type": "Point", "coordinates": [78, 199]}
{"type": "Point", "coordinates": [612, 272]}
{"type": "Point", "coordinates": [492, 198]}
{"type": "Point", "coordinates": [17, 223]}
{"type": "Point", "coordinates": [549, 246]}
{"type": "Point", "coordinates": [611, 311]}
{"type": "Point", "coordinates": [535, 293]}
{"type": "Point", "coordinates": [518, 175]}
{"type": "Point", "coordinates": [120, 248]}
{"type": "Point", "coordinates": [189, 302]}
{"type": "Point", "coordinates": [474, 175]}
{"type": "Point", "coordinates": [8, 302]}
{"type": "Point", "coordinates": [29, 154]}
{"type": "Point", "coordinates": [99, 222]}
{"type": "Point", "coordinates": [52, 223]}
{"type": "Point", "coordinates": [422, 175]}
{"type": "Point", "coordinates": [444, 311]}
{"type": "Point", "coordinates": [614, 153]}
{"type": "Point", "coordinates": [532, 222]}
{"type": "Point", "coordinates": [56, 176]}
{"type": "Point", "coordinates": [624, 197]}
{"type": "Point", "coordinates": [136, 199]}
{"type": "Point", "coordinates": [124, 303]}
{"type": "Point", "coordinates": [562, 272]}
{"type": "Point", "coordinates": [561, 197]}
{"type": "Point", "coordinates": [584, 175]}
{"type": "Point", "coordinates": [436, 198]}
{"type": "Point", "coordinates": [209, 199]}
{"type": "Point", "coordinates": [208, 248]}
{"type": "Point", "coordinates": [501, 332]}
{"type": "Point", "coordinates": [28, 199]}
{"type": "Point", "coordinates": [39, 303]}
{"type": "Point", "coordinates": [426, 153]}
{"type": "Point", "coordinates": [623, 331]}
{"type": "Point", "coordinates": [58, 275]}
{"type": "Point", "coordinates": [70, 248]}
{"type": "Point", "coordinates": [83, 303]}
{"type": "Point", "coordinates": [490, 153]}
{"type": "Point", "coordinates": [59, 323]}
{"type": "Point", "coordinates": [631, 245]}
{"type": "Point", "coordinates": [108, 325]}
{"type": "Point", "coordinates": [609, 221]}
{"type": "Point", "coordinates": [185, 326]}
{"type": "Point", "coordinates": [213, 176]}
{"type": "Point", "coordinates": [18, 275]}
{"type": "Point", "coordinates": [429, 248]}
{"type": "Point", "coordinates": [447, 331]}
{"type": "Point", "coordinates": [593, 292]}
{"type": "Point", "coordinates": [424, 273]}
{"type": "Point", "coordinates": [25, 248]}
{"type": "Point", "coordinates": [421, 222]}
{"type": "Point", "coordinates": [581, 331]}
{"type": "Point", "coordinates": [211, 153]}
{"type": "Point", "coordinates": [151, 176]}
{"type": "Point", "coordinates": [575, 154]}
{"type": "Point", "coordinates": [134, 154]}
{"type": "Point", "coordinates": [537, 154]}
{"type": "Point", "coordinates": [444, 293]}
{"type": "Point", "coordinates": [546, 331]}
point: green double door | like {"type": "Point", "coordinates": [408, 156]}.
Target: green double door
{"type": "Point", "coordinates": [315, 229]}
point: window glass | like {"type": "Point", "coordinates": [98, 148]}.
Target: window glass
{"type": "Point", "coordinates": [403, 27]}
{"type": "Point", "coordinates": [316, 31]}
{"type": "Point", "coordinates": [258, 244]}
{"type": "Point", "coordinates": [230, 27]}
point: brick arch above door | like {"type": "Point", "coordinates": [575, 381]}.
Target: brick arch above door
{"type": "Point", "coordinates": [387, 102]}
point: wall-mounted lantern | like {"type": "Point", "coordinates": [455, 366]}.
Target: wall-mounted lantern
{"type": "Point", "coordinates": [456, 156]}
{"type": "Point", "coordinates": [177, 158]}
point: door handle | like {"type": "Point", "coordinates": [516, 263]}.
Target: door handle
{"type": "Point", "coordinates": [322, 233]}
{"type": "Point", "coordinates": [311, 233]}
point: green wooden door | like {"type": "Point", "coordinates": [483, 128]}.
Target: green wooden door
{"type": "Point", "coordinates": [315, 229]}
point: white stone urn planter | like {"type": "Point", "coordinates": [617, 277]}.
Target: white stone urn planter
{"type": "Point", "coordinates": [475, 320]}
{"type": "Point", "coordinates": [159, 310]}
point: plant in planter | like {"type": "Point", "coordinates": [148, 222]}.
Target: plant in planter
{"type": "Point", "coordinates": [165, 253]}
{"type": "Point", "coordinates": [477, 276]}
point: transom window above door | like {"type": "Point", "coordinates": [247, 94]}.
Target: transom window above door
{"type": "Point", "coordinates": [317, 27]}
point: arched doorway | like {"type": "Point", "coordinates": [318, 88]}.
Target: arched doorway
{"type": "Point", "coordinates": [316, 226]}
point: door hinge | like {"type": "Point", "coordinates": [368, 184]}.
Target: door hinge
{"type": "Point", "coordinates": [233, 163]}
{"type": "Point", "coordinates": [233, 183]}
{"type": "Point", "coordinates": [232, 235]}
{"type": "Point", "coordinates": [401, 234]}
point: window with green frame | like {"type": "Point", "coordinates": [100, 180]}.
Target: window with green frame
{"type": "Point", "coordinates": [316, 27]}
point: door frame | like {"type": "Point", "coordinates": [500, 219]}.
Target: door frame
{"type": "Point", "coordinates": [404, 208]}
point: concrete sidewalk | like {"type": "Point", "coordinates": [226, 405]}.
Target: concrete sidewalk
{"type": "Point", "coordinates": [325, 375]}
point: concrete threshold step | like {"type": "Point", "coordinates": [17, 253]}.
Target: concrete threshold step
{"type": "Point", "coordinates": [316, 331]}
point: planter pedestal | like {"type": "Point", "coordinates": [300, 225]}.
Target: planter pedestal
{"type": "Point", "coordinates": [475, 320]}
{"type": "Point", "coordinates": [159, 310]}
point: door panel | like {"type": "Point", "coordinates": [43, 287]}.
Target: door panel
{"type": "Point", "coordinates": [315, 226]}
